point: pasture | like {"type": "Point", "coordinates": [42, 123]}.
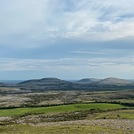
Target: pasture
{"type": "Point", "coordinates": [59, 109]}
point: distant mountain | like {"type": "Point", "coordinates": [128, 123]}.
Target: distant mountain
{"type": "Point", "coordinates": [131, 84]}
{"type": "Point", "coordinates": [10, 81]}
{"type": "Point", "coordinates": [46, 81]}
{"type": "Point", "coordinates": [2, 84]}
{"type": "Point", "coordinates": [88, 81]}
{"type": "Point", "coordinates": [113, 81]}
{"type": "Point", "coordinates": [46, 84]}
{"type": "Point", "coordinates": [91, 84]}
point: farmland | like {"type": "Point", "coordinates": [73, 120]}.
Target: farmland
{"type": "Point", "coordinates": [59, 109]}
{"type": "Point", "coordinates": [67, 112]}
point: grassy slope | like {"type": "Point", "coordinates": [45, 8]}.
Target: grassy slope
{"type": "Point", "coordinates": [59, 109]}
{"type": "Point", "coordinates": [66, 129]}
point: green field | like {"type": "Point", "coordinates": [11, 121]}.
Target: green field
{"type": "Point", "coordinates": [54, 119]}
{"type": "Point", "coordinates": [66, 129]}
{"type": "Point", "coordinates": [59, 109]}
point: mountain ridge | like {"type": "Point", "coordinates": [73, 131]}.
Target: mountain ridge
{"type": "Point", "coordinates": [52, 83]}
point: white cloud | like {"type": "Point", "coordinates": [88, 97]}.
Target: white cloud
{"type": "Point", "coordinates": [28, 22]}
{"type": "Point", "coordinates": [7, 64]}
{"type": "Point", "coordinates": [88, 52]}
{"type": "Point", "coordinates": [68, 68]}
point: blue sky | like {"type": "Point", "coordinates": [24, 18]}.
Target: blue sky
{"type": "Point", "coordinates": [68, 39]}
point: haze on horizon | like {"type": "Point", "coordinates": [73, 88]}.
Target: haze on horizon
{"type": "Point", "coordinates": [68, 39]}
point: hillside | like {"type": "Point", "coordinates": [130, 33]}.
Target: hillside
{"type": "Point", "coordinates": [2, 84]}
{"type": "Point", "coordinates": [113, 81]}
{"type": "Point", "coordinates": [83, 84]}
{"type": "Point", "coordinates": [46, 84]}
{"type": "Point", "coordinates": [88, 81]}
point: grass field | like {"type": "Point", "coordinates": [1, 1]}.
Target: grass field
{"type": "Point", "coordinates": [66, 129]}
{"type": "Point", "coordinates": [89, 117]}
{"type": "Point", "coordinates": [59, 109]}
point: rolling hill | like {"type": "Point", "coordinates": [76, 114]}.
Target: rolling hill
{"type": "Point", "coordinates": [113, 81]}
{"type": "Point", "coordinates": [46, 84]}
{"type": "Point", "coordinates": [83, 84]}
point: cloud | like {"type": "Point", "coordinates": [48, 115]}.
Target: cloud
{"type": "Point", "coordinates": [58, 36]}
{"type": "Point", "coordinates": [7, 64]}
{"type": "Point", "coordinates": [67, 68]}
{"type": "Point", "coordinates": [88, 52]}
{"type": "Point", "coordinates": [28, 23]}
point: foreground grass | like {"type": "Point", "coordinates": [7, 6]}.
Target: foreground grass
{"type": "Point", "coordinates": [59, 109]}
{"type": "Point", "coordinates": [66, 129]}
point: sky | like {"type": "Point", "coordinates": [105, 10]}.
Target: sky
{"type": "Point", "coordinates": [67, 39]}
